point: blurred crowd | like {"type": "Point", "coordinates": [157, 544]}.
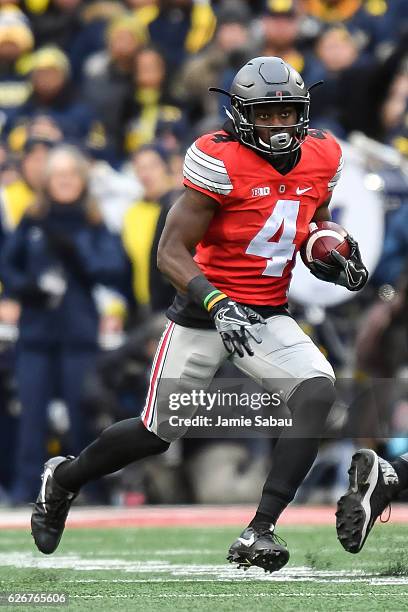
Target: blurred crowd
{"type": "Point", "coordinates": [99, 100]}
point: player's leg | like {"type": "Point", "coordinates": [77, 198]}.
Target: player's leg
{"type": "Point", "coordinates": [287, 359]}
{"type": "Point", "coordinates": [185, 358]}
{"type": "Point", "coordinates": [374, 483]}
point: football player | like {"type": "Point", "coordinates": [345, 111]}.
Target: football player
{"type": "Point", "coordinates": [251, 190]}
{"type": "Point", "coordinates": [373, 484]}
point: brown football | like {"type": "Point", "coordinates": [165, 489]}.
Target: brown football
{"type": "Point", "coordinates": [323, 238]}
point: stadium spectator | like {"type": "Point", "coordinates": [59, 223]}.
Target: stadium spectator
{"type": "Point", "coordinates": [55, 22]}
{"type": "Point", "coordinates": [337, 52]}
{"type": "Point", "coordinates": [394, 114]}
{"type": "Point", "coordinates": [95, 16]}
{"type": "Point", "coordinates": [16, 40]}
{"type": "Point", "coordinates": [360, 89]}
{"type": "Point", "coordinates": [18, 195]}
{"type": "Point", "coordinates": [51, 264]}
{"type": "Point", "coordinates": [229, 49]}
{"type": "Point", "coordinates": [392, 267]}
{"type": "Point", "coordinates": [376, 23]}
{"type": "Point", "coordinates": [54, 96]}
{"type": "Point", "coordinates": [180, 28]}
{"type": "Point", "coordinates": [108, 83]}
{"type": "Point", "coordinates": [142, 226]}
{"type": "Point", "coordinates": [150, 104]}
{"type": "Point", "coordinates": [281, 31]}
{"type": "Point", "coordinates": [171, 134]}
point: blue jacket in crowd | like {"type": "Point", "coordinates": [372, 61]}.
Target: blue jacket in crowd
{"type": "Point", "coordinates": [393, 260]}
{"type": "Point", "coordinates": [82, 254]}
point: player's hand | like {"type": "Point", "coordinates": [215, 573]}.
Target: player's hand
{"type": "Point", "coordinates": [350, 273]}
{"type": "Point", "coordinates": [236, 323]}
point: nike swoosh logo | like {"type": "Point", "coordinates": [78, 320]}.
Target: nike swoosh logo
{"type": "Point", "coordinates": [248, 542]}
{"type": "Point", "coordinates": [300, 191]}
{"type": "Point", "coordinates": [47, 473]}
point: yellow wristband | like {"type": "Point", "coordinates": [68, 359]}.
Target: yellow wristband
{"type": "Point", "coordinates": [214, 301]}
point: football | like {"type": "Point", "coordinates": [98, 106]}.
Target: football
{"type": "Point", "coordinates": [323, 238]}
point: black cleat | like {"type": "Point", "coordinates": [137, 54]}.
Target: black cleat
{"type": "Point", "coordinates": [259, 546]}
{"type": "Point", "coordinates": [370, 492]}
{"type": "Point", "coordinates": [51, 509]}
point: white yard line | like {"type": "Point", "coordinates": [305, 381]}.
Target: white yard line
{"type": "Point", "coordinates": [171, 552]}
{"type": "Point", "coordinates": [155, 571]}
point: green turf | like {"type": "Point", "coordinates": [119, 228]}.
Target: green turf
{"type": "Point", "coordinates": [185, 569]}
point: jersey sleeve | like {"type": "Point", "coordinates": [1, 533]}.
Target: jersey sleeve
{"type": "Point", "coordinates": [336, 177]}
{"type": "Point", "coordinates": [332, 173]}
{"type": "Point", "coordinates": [205, 172]}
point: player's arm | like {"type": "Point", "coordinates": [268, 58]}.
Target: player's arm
{"type": "Point", "coordinates": [186, 224]}
{"type": "Point", "coordinates": [323, 212]}
{"type": "Point", "coordinates": [350, 273]}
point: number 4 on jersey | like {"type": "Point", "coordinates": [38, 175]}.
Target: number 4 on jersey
{"type": "Point", "coordinates": [280, 252]}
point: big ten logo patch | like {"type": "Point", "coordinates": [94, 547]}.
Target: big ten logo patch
{"type": "Point", "coordinates": [260, 191]}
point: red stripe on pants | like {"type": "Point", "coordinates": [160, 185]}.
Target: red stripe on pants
{"type": "Point", "coordinates": [161, 349]}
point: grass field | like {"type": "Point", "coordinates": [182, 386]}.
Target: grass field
{"type": "Point", "coordinates": [184, 568]}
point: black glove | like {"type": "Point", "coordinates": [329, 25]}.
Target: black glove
{"type": "Point", "coordinates": [350, 273]}
{"type": "Point", "coordinates": [234, 322]}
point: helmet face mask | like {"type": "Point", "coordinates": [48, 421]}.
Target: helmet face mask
{"type": "Point", "coordinates": [266, 80]}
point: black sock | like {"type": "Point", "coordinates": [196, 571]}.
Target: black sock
{"type": "Point", "coordinates": [293, 457]}
{"type": "Point", "coordinates": [260, 520]}
{"type": "Point", "coordinates": [116, 447]}
{"type": "Point", "coordinates": [400, 465]}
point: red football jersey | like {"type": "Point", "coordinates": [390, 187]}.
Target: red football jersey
{"type": "Point", "coordinates": [250, 246]}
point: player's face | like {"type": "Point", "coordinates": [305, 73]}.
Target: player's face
{"type": "Point", "coordinates": [276, 116]}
